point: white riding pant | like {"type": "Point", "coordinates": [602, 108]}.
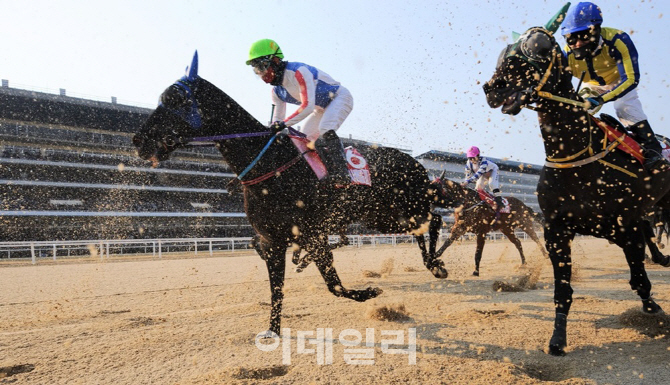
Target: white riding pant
{"type": "Point", "coordinates": [490, 178]}
{"type": "Point", "coordinates": [628, 107]}
{"type": "Point", "coordinates": [323, 120]}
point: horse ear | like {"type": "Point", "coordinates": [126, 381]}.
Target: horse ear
{"type": "Point", "coordinates": [442, 175]}
{"type": "Point", "coordinates": [192, 70]}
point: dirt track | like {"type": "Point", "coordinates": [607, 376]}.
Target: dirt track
{"type": "Point", "coordinates": [193, 321]}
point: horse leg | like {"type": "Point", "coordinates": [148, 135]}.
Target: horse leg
{"type": "Point", "coordinates": [324, 261]}
{"type": "Point", "coordinates": [434, 232]}
{"type": "Point", "coordinates": [276, 264]}
{"type": "Point", "coordinates": [456, 232]}
{"type": "Point", "coordinates": [430, 260]}
{"type": "Point", "coordinates": [509, 233]}
{"type": "Point", "coordinates": [656, 255]}
{"type": "Point", "coordinates": [558, 240]}
{"type": "Point", "coordinates": [481, 240]}
{"type": "Point", "coordinates": [302, 263]}
{"type": "Point", "coordinates": [633, 248]}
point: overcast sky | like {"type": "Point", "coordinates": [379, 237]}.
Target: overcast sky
{"type": "Point", "coordinates": [415, 68]}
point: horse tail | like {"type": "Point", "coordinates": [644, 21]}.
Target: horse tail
{"type": "Point", "coordinates": [536, 216]}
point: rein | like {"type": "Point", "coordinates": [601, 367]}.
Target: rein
{"type": "Point", "coordinates": [208, 141]}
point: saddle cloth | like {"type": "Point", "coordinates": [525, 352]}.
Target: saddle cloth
{"type": "Point", "coordinates": [358, 167]}
{"type": "Point", "coordinates": [665, 149]}
{"type": "Point", "coordinates": [491, 201]}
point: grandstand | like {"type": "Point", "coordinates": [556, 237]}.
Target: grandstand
{"type": "Point", "coordinates": [68, 171]}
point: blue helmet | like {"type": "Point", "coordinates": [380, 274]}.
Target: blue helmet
{"type": "Point", "coordinates": [581, 17]}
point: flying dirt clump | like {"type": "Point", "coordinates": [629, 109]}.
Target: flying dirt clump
{"type": "Point", "coordinates": [528, 281]}
{"type": "Point", "coordinates": [391, 313]}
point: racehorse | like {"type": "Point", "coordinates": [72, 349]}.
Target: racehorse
{"type": "Point", "coordinates": [283, 198]}
{"type": "Point", "coordinates": [587, 185]}
{"type": "Point", "coordinates": [477, 217]}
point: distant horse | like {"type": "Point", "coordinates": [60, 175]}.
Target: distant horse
{"type": "Point", "coordinates": [588, 184]}
{"type": "Point", "coordinates": [284, 200]}
{"type": "Point", "coordinates": [660, 219]}
{"type": "Point", "coordinates": [476, 216]}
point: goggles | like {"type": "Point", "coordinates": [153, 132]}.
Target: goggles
{"type": "Point", "coordinates": [260, 65]}
{"type": "Point", "coordinates": [572, 38]}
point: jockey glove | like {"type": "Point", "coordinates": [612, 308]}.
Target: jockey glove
{"type": "Point", "coordinates": [277, 126]}
{"type": "Point", "coordinates": [595, 102]}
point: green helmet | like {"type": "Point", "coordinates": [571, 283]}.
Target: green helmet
{"type": "Point", "coordinates": [264, 47]}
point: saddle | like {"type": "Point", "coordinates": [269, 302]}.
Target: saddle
{"type": "Point", "coordinates": [490, 200]}
{"type": "Point", "coordinates": [615, 131]}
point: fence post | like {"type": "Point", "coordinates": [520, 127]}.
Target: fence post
{"type": "Point", "coordinates": [210, 248]}
{"type": "Point", "coordinates": [196, 247]}
{"type": "Point", "coordinates": [54, 251]}
{"type": "Point", "coordinates": [32, 253]}
{"type": "Point", "coordinates": [160, 250]}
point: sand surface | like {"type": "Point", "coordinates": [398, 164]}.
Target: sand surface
{"type": "Point", "coordinates": [193, 320]}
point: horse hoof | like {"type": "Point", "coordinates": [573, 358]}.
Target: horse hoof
{"type": "Point", "coordinates": [439, 272]}
{"type": "Point", "coordinates": [556, 350]}
{"type": "Point", "coordinates": [475, 273]}
{"type": "Point", "coordinates": [651, 307]}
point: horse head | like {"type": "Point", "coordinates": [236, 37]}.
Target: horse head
{"type": "Point", "coordinates": [190, 107]}
{"type": "Point", "coordinates": [449, 193]}
{"type": "Point", "coordinates": [531, 64]}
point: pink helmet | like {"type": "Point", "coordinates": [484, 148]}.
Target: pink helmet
{"type": "Point", "coordinates": [473, 152]}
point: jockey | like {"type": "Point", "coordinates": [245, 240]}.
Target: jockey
{"type": "Point", "coordinates": [609, 60]}
{"type": "Point", "coordinates": [321, 100]}
{"type": "Point", "coordinates": [482, 171]}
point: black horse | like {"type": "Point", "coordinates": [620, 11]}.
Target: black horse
{"type": "Point", "coordinates": [284, 200]}
{"type": "Point", "coordinates": [583, 187]}
{"type": "Point", "coordinates": [476, 216]}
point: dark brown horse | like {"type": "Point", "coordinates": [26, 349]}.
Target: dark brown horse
{"type": "Point", "coordinates": [476, 216]}
{"type": "Point", "coordinates": [583, 187]}
{"type": "Point", "coordinates": [284, 200]}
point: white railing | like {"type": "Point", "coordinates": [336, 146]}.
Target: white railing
{"type": "Point", "coordinates": [105, 249]}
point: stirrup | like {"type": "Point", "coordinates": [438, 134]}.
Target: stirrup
{"type": "Point", "coordinates": [654, 161]}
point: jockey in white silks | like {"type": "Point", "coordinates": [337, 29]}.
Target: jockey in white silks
{"type": "Point", "coordinates": [483, 172]}
{"type": "Point", "coordinates": [323, 103]}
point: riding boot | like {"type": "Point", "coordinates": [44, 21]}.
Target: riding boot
{"type": "Point", "coordinates": [499, 205]}
{"type": "Point", "coordinates": [332, 153]}
{"type": "Point", "coordinates": [652, 148]}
